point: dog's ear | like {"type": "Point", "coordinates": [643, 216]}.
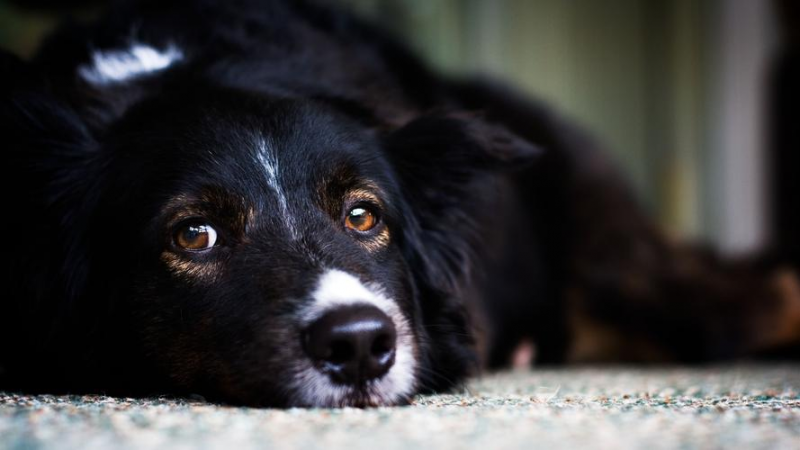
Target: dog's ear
{"type": "Point", "coordinates": [34, 119]}
{"type": "Point", "coordinates": [446, 164]}
{"type": "Point", "coordinates": [48, 156]}
{"type": "Point", "coordinates": [47, 145]}
{"type": "Point", "coordinates": [458, 144]}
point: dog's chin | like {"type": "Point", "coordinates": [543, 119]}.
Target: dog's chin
{"type": "Point", "coordinates": [327, 394]}
{"type": "Point", "coordinates": [360, 397]}
{"type": "Point", "coordinates": [312, 388]}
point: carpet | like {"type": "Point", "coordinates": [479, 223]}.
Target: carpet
{"type": "Point", "coordinates": [738, 406]}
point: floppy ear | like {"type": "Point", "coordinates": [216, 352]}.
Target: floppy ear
{"type": "Point", "coordinates": [460, 142]}
{"type": "Point", "coordinates": [447, 164]}
{"type": "Point", "coordinates": [47, 158]}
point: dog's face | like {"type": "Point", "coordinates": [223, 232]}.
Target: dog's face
{"type": "Point", "coordinates": [266, 250]}
{"type": "Point", "coordinates": [268, 267]}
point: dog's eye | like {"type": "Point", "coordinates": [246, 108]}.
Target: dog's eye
{"type": "Point", "coordinates": [360, 219]}
{"type": "Point", "coordinates": [196, 237]}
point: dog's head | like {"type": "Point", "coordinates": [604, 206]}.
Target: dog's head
{"type": "Point", "coordinates": [253, 247]}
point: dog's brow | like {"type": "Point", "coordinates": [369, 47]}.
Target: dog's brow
{"type": "Point", "coordinates": [365, 194]}
{"type": "Point", "coordinates": [269, 161]}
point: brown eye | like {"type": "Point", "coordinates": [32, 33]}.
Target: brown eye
{"type": "Point", "coordinates": [196, 237]}
{"type": "Point", "coordinates": [360, 219]}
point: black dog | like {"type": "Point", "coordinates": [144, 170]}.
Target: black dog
{"type": "Point", "coordinates": [272, 203]}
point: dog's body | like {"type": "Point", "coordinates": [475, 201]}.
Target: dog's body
{"type": "Point", "coordinates": [215, 195]}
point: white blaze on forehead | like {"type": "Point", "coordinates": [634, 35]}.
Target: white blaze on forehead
{"type": "Point", "coordinates": [336, 289]}
{"type": "Point", "coordinates": [115, 66]}
{"type": "Point", "coordinates": [266, 157]}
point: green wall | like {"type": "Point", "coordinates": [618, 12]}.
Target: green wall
{"type": "Point", "coordinates": [632, 71]}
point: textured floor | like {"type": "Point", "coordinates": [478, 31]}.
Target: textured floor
{"type": "Point", "coordinates": [719, 407]}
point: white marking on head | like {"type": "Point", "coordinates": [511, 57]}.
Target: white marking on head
{"type": "Point", "coordinates": [313, 388]}
{"type": "Point", "coordinates": [116, 66]}
{"type": "Point", "coordinates": [267, 159]}
{"type": "Point", "coordinates": [337, 288]}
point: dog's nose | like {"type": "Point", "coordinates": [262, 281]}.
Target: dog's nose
{"type": "Point", "coordinates": [353, 344]}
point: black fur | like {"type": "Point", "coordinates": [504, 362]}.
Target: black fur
{"type": "Point", "coordinates": [504, 221]}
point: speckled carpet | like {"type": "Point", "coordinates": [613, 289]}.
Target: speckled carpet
{"type": "Point", "coordinates": [743, 406]}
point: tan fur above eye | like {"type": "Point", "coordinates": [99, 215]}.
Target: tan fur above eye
{"type": "Point", "coordinates": [364, 195]}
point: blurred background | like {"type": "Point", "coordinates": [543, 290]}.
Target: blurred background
{"type": "Point", "coordinates": [696, 99]}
